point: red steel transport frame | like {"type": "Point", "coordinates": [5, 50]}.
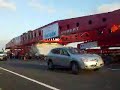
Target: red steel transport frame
{"type": "Point", "coordinates": [101, 28]}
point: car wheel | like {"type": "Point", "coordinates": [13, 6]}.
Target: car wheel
{"type": "Point", "coordinates": [50, 65]}
{"type": "Point", "coordinates": [75, 68]}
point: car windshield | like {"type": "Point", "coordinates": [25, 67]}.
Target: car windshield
{"type": "Point", "coordinates": [74, 50]}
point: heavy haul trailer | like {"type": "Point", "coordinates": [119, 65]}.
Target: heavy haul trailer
{"type": "Point", "coordinates": [103, 28]}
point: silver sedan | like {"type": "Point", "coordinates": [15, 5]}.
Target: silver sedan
{"type": "Point", "coordinates": [71, 58]}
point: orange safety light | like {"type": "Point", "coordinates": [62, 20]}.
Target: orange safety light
{"type": "Point", "coordinates": [114, 28]}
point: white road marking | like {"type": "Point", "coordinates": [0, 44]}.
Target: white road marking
{"type": "Point", "coordinates": [35, 81]}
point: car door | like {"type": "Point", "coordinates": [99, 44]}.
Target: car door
{"type": "Point", "coordinates": [55, 56]}
{"type": "Point", "coordinates": [64, 58]}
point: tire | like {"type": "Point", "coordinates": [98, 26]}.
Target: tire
{"type": "Point", "coordinates": [75, 68]}
{"type": "Point", "coordinates": [50, 65]}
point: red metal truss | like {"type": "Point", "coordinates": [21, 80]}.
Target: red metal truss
{"type": "Point", "coordinates": [103, 28]}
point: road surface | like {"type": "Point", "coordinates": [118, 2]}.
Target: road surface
{"type": "Point", "coordinates": [34, 75]}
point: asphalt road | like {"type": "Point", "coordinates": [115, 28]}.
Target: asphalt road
{"type": "Point", "coordinates": [34, 75]}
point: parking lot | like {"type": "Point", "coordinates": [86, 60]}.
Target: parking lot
{"type": "Point", "coordinates": [34, 75]}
